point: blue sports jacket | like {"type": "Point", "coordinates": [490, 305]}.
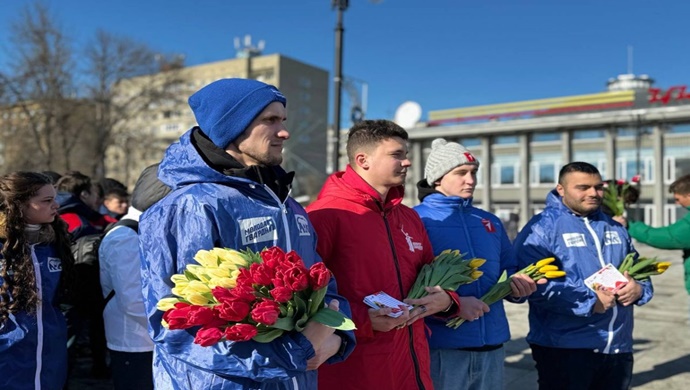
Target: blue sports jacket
{"type": "Point", "coordinates": [453, 223]}
{"type": "Point", "coordinates": [207, 209]}
{"type": "Point", "coordinates": [561, 311]}
{"type": "Point", "coordinates": [33, 347]}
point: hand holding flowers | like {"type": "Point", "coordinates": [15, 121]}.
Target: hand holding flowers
{"type": "Point", "coordinates": [537, 271]}
{"type": "Point", "coordinates": [448, 270]}
{"type": "Point", "coordinates": [643, 268]}
{"type": "Point", "coordinates": [635, 271]}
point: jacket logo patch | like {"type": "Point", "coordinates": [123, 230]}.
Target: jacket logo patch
{"type": "Point", "coordinates": [54, 264]}
{"type": "Point", "coordinates": [411, 245]}
{"type": "Point", "coordinates": [612, 238]}
{"type": "Point", "coordinates": [490, 228]}
{"type": "Point", "coordinates": [255, 230]}
{"type": "Point", "coordinates": [574, 239]}
{"type": "Point", "coordinates": [302, 225]}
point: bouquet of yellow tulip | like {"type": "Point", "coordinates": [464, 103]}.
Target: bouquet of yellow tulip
{"type": "Point", "coordinates": [448, 270]}
{"type": "Point", "coordinates": [644, 267]}
{"type": "Point", "coordinates": [539, 270]}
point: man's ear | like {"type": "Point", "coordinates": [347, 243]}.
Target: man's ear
{"type": "Point", "coordinates": [560, 189]}
{"type": "Point", "coordinates": [84, 194]}
{"type": "Point", "coordinates": [362, 160]}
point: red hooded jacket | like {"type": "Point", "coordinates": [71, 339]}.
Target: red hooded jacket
{"type": "Point", "coordinates": [373, 246]}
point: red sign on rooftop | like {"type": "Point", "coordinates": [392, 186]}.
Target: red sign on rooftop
{"type": "Point", "coordinates": [676, 93]}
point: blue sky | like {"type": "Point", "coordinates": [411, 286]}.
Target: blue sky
{"type": "Point", "coordinates": [440, 53]}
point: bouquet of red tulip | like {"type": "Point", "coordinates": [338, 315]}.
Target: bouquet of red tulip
{"type": "Point", "coordinates": [242, 295]}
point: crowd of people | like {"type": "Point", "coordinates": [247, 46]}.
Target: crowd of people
{"type": "Point", "coordinates": [223, 179]}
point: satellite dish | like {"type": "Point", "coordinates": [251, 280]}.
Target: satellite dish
{"type": "Point", "coordinates": [408, 114]}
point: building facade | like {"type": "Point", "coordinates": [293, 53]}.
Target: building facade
{"type": "Point", "coordinates": [632, 129]}
{"type": "Point", "coordinates": [306, 89]}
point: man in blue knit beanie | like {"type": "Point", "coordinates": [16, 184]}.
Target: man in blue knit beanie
{"type": "Point", "coordinates": [229, 191]}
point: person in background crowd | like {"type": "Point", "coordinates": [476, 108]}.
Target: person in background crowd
{"type": "Point", "coordinates": [115, 202]}
{"type": "Point", "coordinates": [53, 176]}
{"type": "Point", "coordinates": [674, 236]}
{"type": "Point", "coordinates": [470, 357]}
{"type": "Point", "coordinates": [227, 180]}
{"type": "Point", "coordinates": [80, 199]}
{"type": "Point", "coordinates": [372, 242]}
{"type": "Point", "coordinates": [35, 267]}
{"type": "Point", "coordinates": [115, 198]}
{"type": "Point", "coordinates": [580, 338]}
{"type": "Point", "coordinates": [131, 348]}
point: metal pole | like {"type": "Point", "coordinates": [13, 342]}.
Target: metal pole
{"type": "Point", "coordinates": [638, 162]}
{"type": "Point", "coordinates": [341, 6]}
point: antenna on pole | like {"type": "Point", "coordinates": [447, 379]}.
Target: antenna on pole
{"type": "Point", "coordinates": [630, 59]}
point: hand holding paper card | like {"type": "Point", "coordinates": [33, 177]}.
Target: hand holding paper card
{"type": "Point", "coordinates": [607, 278]}
{"type": "Point", "coordinates": [382, 300]}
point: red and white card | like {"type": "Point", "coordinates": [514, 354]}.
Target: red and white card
{"type": "Point", "coordinates": [382, 300]}
{"type": "Point", "coordinates": [607, 278]}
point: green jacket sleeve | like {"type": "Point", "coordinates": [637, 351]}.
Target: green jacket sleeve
{"type": "Point", "coordinates": [675, 236]}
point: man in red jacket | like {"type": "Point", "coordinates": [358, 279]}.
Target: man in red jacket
{"type": "Point", "coordinates": [372, 242]}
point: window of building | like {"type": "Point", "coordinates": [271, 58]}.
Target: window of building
{"type": "Point", "coordinates": [627, 165]}
{"type": "Point", "coordinates": [595, 157]}
{"type": "Point", "coordinates": [546, 137]}
{"type": "Point", "coordinates": [679, 128]}
{"type": "Point", "coordinates": [588, 134]}
{"type": "Point", "coordinates": [544, 167]}
{"type": "Point", "coordinates": [632, 131]}
{"type": "Point", "coordinates": [505, 171]}
{"type": "Point", "coordinates": [505, 140]}
{"type": "Point", "coordinates": [470, 142]}
{"type": "Point", "coordinates": [170, 127]}
{"type": "Point", "coordinates": [304, 82]}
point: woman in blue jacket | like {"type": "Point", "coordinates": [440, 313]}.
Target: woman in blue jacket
{"type": "Point", "coordinates": [475, 350]}
{"type": "Point", "coordinates": [36, 260]}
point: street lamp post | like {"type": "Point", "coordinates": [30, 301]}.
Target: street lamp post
{"type": "Point", "coordinates": [341, 6]}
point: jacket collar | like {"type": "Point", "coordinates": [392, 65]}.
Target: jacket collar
{"type": "Point", "coordinates": [349, 185]}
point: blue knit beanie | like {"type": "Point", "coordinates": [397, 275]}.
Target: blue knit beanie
{"type": "Point", "coordinates": [225, 108]}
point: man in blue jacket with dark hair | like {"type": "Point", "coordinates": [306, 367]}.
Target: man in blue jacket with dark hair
{"type": "Point", "coordinates": [226, 180]}
{"type": "Point", "coordinates": [580, 338]}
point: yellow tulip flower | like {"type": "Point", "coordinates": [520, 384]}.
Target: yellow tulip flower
{"type": "Point", "coordinates": [166, 304]}
{"type": "Point", "coordinates": [197, 299]}
{"type": "Point", "coordinates": [661, 267]}
{"type": "Point", "coordinates": [197, 287]}
{"type": "Point", "coordinates": [548, 268]}
{"type": "Point", "coordinates": [218, 273]}
{"type": "Point", "coordinates": [206, 258]}
{"type": "Point", "coordinates": [179, 279]}
{"type": "Point", "coordinates": [476, 274]}
{"type": "Point", "coordinates": [230, 255]}
{"type": "Point", "coordinates": [222, 282]}
{"type": "Point", "coordinates": [544, 262]}
{"type": "Point", "coordinates": [476, 263]}
{"type": "Point", "coordinates": [554, 274]}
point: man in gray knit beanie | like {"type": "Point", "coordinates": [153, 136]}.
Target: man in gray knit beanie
{"type": "Point", "coordinates": [452, 222]}
{"type": "Point", "coordinates": [444, 157]}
